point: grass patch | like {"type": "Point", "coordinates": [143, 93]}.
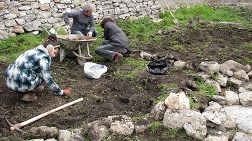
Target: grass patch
{"type": "Point", "coordinates": [141, 117]}
{"type": "Point", "coordinates": [155, 127]}
{"type": "Point", "coordinates": [165, 92]}
{"type": "Point", "coordinates": [214, 14]}
{"type": "Point", "coordinates": [205, 90]}
{"type": "Point", "coordinates": [167, 133]}
{"type": "Point", "coordinates": [139, 65]}
{"type": "Point", "coordinates": [62, 31]}
{"type": "Point", "coordinates": [140, 31]}
{"type": "Point", "coordinates": [172, 133]}
{"type": "Point", "coordinates": [194, 104]}
{"type": "Point", "coordinates": [214, 77]}
{"type": "Point", "coordinates": [248, 47]}
{"type": "Point", "coordinates": [14, 46]}
{"type": "Point", "coordinates": [138, 88]}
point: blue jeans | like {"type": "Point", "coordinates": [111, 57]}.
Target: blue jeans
{"type": "Point", "coordinates": [95, 33]}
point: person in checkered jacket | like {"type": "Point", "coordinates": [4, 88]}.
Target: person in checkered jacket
{"type": "Point", "coordinates": [26, 74]}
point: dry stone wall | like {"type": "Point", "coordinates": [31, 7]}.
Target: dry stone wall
{"type": "Point", "coordinates": [18, 16]}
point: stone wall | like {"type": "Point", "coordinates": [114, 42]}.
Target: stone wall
{"type": "Point", "coordinates": [19, 16]}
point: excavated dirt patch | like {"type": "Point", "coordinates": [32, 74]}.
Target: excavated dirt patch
{"type": "Point", "coordinates": [111, 95]}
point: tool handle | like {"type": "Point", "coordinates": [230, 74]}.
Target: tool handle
{"type": "Point", "coordinates": [49, 112]}
{"type": "Point", "coordinates": [169, 9]}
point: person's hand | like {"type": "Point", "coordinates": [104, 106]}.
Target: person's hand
{"type": "Point", "coordinates": [89, 34]}
{"type": "Point", "coordinates": [66, 92]}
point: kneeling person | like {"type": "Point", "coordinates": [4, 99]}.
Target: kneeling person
{"type": "Point", "coordinates": [32, 68]}
{"type": "Point", "coordinates": [115, 42]}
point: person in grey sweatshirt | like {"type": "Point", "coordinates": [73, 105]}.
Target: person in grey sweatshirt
{"type": "Point", "coordinates": [115, 42]}
{"type": "Point", "coordinates": [81, 20]}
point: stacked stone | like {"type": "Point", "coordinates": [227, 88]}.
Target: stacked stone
{"type": "Point", "coordinates": [28, 15]}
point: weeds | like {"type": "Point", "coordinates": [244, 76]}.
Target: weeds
{"type": "Point", "coordinates": [138, 65]}
{"type": "Point", "coordinates": [172, 133]}
{"type": "Point", "coordinates": [155, 126]}
{"type": "Point", "coordinates": [165, 90]}
{"type": "Point", "coordinates": [194, 104]}
{"type": "Point", "coordinates": [14, 46]}
{"type": "Point", "coordinates": [62, 31]}
{"type": "Point", "coordinates": [167, 133]}
{"type": "Point", "coordinates": [248, 47]}
{"type": "Point", "coordinates": [205, 90]}
{"type": "Point", "coordinates": [141, 117]}
{"type": "Point", "coordinates": [215, 14]}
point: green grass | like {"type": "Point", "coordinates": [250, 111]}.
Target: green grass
{"type": "Point", "coordinates": [139, 65]}
{"type": "Point", "coordinates": [165, 90]}
{"type": "Point", "coordinates": [141, 117]}
{"type": "Point", "coordinates": [62, 31]}
{"type": "Point", "coordinates": [12, 47]}
{"type": "Point", "coordinates": [205, 90]}
{"type": "Point", "coordinates": [194, 104]}
{"type": "Point", "coordinates": [219, 14]}
{"type": "Point", "coordinates": [248, 47]}
{"type": "Point", "coordinates": [172, 133]}
{"type": "Point", "coordinates": [155, 126]}
{"type": "Point", "coordinates": [141, 31]}
{"type": "Point", "coordinates": [167, 133]}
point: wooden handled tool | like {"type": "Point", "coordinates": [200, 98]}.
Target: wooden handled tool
{"type": "Point", "coordinates": [20, 125]}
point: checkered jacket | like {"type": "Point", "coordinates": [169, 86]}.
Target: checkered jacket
{"type": "Point", "coordinates": [29, 70]}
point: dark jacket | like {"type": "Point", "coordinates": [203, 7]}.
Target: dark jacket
{"type": "Point", "coordinates": [80, 21]}
{"type": "Point", "coordinates": [115, 35]}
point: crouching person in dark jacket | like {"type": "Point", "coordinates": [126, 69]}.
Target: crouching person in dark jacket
{"type": "Point", "coordinates": [115, 42]}
{"type": "Point", "coordinates": [31, 68]}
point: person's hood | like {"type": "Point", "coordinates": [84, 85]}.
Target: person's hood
{"type": "Point", "coordinates": [41, 48]}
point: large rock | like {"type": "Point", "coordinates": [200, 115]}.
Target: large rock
{"type": "Point", "coordinates": [177, 101]}
{"type": "Point", "coordinates": [121, 124]}
{"type": "Point", "coordinates": [159, 110]}
{"type": "Point", "coordinates": [64, 135]}
{"type": "Point", "coordinates": [241, 75]}
{"type": "Point", "coordinates": [195, 125]}
{"type": "Point", "coordinates": [216, 138]}
{"type": "Point", "coordinates": [239, 136]}
{"type": "Point", "coordinates": [97, 130]}
{"type": "Point", "coordinates": [246, 98]}
{"type": "Point", "coordinates": [209, 67]}
{"type": "Point", "coordinates": [243, 116]}
{"type": "Point", "coordinates": [232, 98]}
{"type": "Point", "coordinates": [175, 119]}
{"type": "Point", "coordinates": [44, 132]}
{"type": "Point", "coordinates": [231, 65]}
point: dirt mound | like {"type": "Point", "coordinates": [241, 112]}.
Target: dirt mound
{"type": "Point", "coordinates": [110, 95]}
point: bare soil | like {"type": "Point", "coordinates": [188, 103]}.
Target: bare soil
{"type": "Point", "coordinates": [111, 95]}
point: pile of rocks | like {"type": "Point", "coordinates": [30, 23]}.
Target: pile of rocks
{"type": "Point", "coordinates": [218, 122]}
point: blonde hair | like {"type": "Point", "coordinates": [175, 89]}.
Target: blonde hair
{"type": "Point", "coordinates": [50, 48]}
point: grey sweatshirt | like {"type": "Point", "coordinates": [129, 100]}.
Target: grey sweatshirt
{"type": "Point", "coordinates": [80, 21]}
{"type": "Point", "coordinates": [115, 35]}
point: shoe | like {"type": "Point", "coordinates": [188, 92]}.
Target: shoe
{"type": "Point", "coordinates": [118, 57]}
{"type": "Point", "coordinates": [29, 97]}
{"type": "Point", "coordinates": [39, 88]}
